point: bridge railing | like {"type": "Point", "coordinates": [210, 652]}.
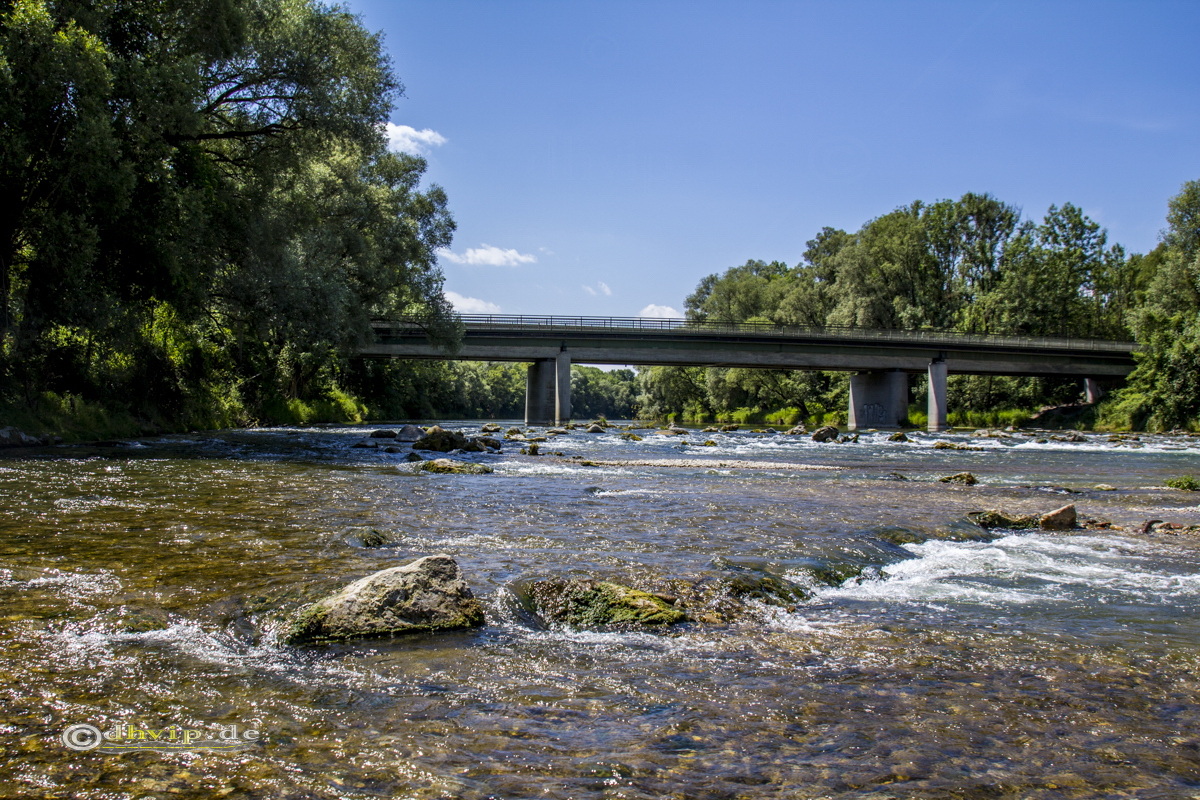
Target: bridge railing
{"type": "Point", "coordinates": [677, 326]}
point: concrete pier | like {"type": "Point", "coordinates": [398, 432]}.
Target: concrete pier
{"type": "Point", "coordinates": [548, 391]}
{"type": "Point", "coordinates": [540, 394]}
{"type": "Point", "coordinates": [1092, 391]}
{"type": "Point", "coordinates": [878, 400]}
{"type": "Point", "coordinates": [937, 395]}
{"type": "Point", "coordinates": [562, 397]}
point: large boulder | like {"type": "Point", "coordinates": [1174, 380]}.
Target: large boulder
{"type": "Point", "coordinates": [14, 437]}
{"type": "Point", "coordinates": [428, 594]}
{"type": "Point", "coordinates": [825, 433]}
{"type": "Point", "coordinates": [1061, 519]}
{"type": "Point", "coordinates": [383, 433]}
{"type": "Point", "coordinates": [582, 603]}
{"type": "Point", "coordinates": [441, 440]}
{"type": "Point", "coordinates": [409, 433]}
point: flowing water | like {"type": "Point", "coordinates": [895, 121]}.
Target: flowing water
{"type": "Point", "coordinates": [144, 585]}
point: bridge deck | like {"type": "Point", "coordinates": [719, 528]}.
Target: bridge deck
{"type": "Point", "coordinates": [676, 342]}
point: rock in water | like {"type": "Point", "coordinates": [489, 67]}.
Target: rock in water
{"type": "Point", "coordinates": [409, 433]}
{"type": "Point", "coordinates": [13, 437]}
{"type": "Point", "coordinates": [442, 440]}
{"type": "Point", "coordinates": [590, 603]}
{"type": "Point", "coordinates": [427, 595]}
{"type": "Point", "coordinates": [899, 437]}
{"type": "Point", "coordinates": [965, 478]}
{"type": "Point", "coordinates": [448, 466]}
{"type": "Point", "coordinates": [594, 428]}
{"type": "Point", "coordinates": [1062, 519]}
{"type": "Point", "coordinates": [998, 519]}
{"type": "Point", "coordinates": [383, 433]}
{"type": "Point", "coordinates": [826, 433]}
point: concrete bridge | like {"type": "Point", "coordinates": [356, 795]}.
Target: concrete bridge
{"type": "Point", "coordinates": [881, 360]}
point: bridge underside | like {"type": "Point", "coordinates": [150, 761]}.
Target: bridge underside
{"type": "Point", "coordinates": [878, 393]}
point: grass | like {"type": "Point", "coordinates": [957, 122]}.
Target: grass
{"type": "Point", "coordinates": [73, 418]}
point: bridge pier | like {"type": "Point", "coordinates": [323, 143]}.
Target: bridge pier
{"type": "Point", "coordinates": [937, 395]}
{"type": "Point", "coordinates": [562, 398]}
{"type": "Point", "coordinates": [1092, 391]}
{"type": "Point", "coordinates": [548, 391]}
{"type": "Point", "coordinates": [878, 400]}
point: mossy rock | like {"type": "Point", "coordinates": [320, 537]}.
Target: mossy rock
{"type": "Point", "coordinates": [769, 589]}
{"type": "Point", "coordinates": [993, 519]}
{"type": "Point", "coordinates": [582, 603]}
{"type": "Point", "coordinates": [426, 595]}
{"type": "Point", "coordinates": [962, 478]}
{"type": "Point", "coordinates": [631, 437]}
{"type": "Point", "coordinates": [1187, 483]}
{"type": "Point", "coordinates": [448, 466]}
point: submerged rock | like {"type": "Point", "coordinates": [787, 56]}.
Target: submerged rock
{"type": "Point", "coordinates": [964, 478]}
{"type": "Point", "coordinates": [583, 603]}
{"type": "Point", "coordinates": [631, 437]}
{"type": "Point", "coordinates": [441, 440]}
{"type": "Point", "coordinates": [825, 433]}
{"type": "Point", "coordinates": [413, 458]}
{"type": "Point", "coordinates": [428, 594]}
{"type": "Point", "coordinates": [448, 466]}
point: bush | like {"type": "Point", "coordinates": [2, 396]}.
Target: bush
{"type": "Point", "coordinates": [1187, 482]}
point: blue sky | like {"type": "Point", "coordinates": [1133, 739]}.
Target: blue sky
{"type": "Point", "coordinates": [601, 158]}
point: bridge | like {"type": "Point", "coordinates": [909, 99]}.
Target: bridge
{"type": "Point", "coordinates": [881, 360]}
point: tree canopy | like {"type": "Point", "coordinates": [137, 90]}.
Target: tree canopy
{"type": "Point", "coordinates": [205, 184]}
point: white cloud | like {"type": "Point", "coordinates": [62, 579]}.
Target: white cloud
{"type": "Point", "coordinates": [404, 139]}
{"type": "Point", "coordinates": [660, 312]}
{"type": "Point", "coordinates": [603, 289]}
{"type": "Point", "coordinates": [471, 305]}
{"type": "Point", "coordinates": [489, 256]}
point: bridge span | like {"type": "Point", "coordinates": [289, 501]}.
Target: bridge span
{"type": "Point", "coordinates": [881, 360]}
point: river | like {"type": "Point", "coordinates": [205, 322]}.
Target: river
{"type": "Point", "coordinates": [143, 585]}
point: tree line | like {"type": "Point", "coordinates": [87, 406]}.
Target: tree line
{"type": "Point", "coordinates": [970, 265]}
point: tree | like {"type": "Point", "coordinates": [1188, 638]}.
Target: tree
{"type": "Point", "coordinates": [216, 163]}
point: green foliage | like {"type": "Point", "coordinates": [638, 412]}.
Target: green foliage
{"type": "Point", "coordinates": [971, 265]}
{"type": "Point", "coordinates": [1186, 482]}
{"type": "Point", "coordinates": [198, 216]}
